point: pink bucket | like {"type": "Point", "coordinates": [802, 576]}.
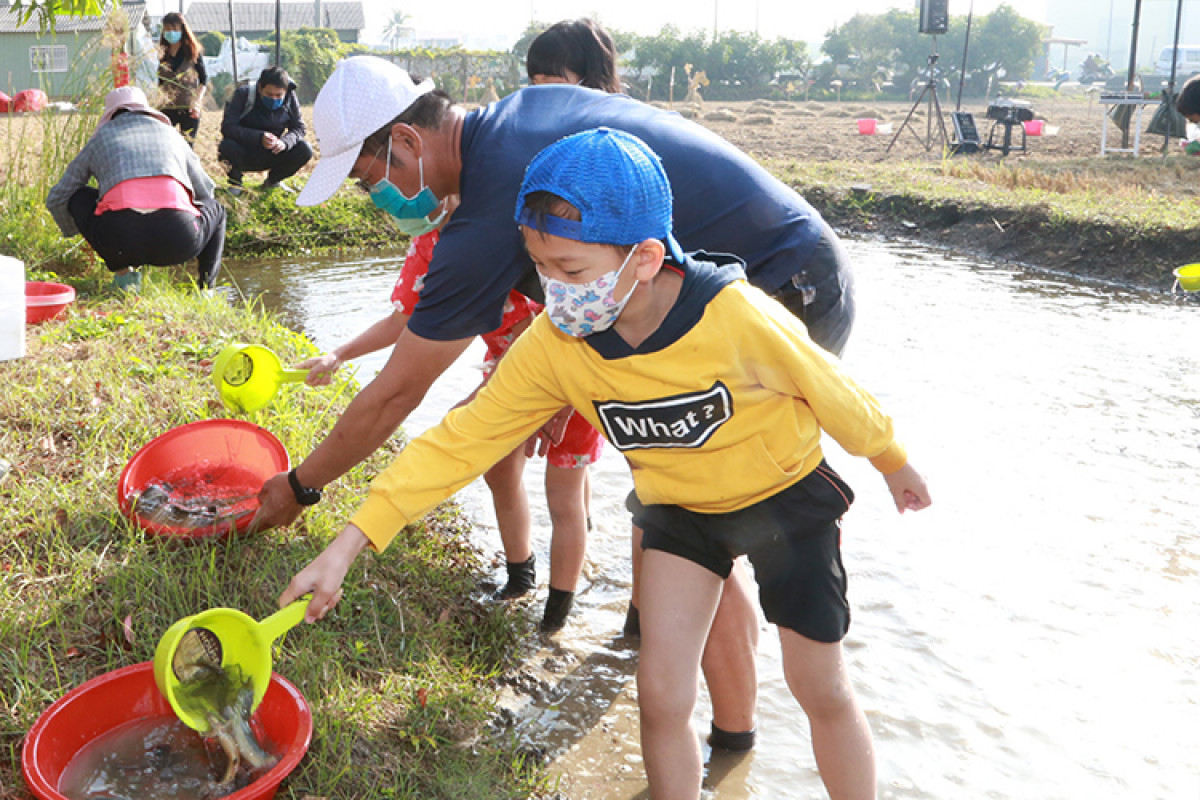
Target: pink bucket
{"type": "Point", "coordinates": [1034, 127]}
{"type": "Point", "coordinates": [866, 127]}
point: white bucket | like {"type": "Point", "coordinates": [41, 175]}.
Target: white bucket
{"type": "Point", "coordinates": [12, 308]}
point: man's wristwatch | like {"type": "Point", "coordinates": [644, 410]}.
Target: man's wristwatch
{"type": "Point", "coordinates": [304, 495]}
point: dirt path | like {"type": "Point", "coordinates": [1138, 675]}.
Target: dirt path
{"type": "Point", "coordinates": [829, 131]}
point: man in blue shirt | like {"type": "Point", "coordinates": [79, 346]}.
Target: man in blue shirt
{"type": "Point", "coordinates": [416, 150]}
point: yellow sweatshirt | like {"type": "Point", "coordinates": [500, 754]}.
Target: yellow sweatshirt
{"type": "Point", "coordinates": [728, 413]}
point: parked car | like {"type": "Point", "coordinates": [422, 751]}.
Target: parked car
{"type": "Point", "coordinates": [1187, 65]}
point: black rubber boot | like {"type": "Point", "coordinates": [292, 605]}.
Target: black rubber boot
{"type": "Point", "coordinates": [558, 606]}
{"type": "Point", "coordinates": [738, 742]}
{"type": "Point", "coordinates": [522, 577]}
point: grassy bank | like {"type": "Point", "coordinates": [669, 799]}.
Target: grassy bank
{"type": "Point", "coordinates": [398, 677]}
{"type": "Point", "coordinates": [1125, 221]}
{"type": "Point", "coordinates": [36, 148]}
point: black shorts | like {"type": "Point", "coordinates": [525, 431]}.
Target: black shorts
{"type": "Point", "coordinates": [792, 538]}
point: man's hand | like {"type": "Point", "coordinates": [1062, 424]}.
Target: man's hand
{"type": "Point", "coordinates": [324, 576]}
{"type": "Point", "coordinates": [272, 142]}
{"type": "Point", "coordinates": [277, 504]}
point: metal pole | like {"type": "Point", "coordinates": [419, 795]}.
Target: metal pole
{"type": "Point", "coordinates": [1170, 96]}
{"type": "Point", "coordinates": [278, 28]}
{"type": "Point", "coordinates": [1108, 45]}
{"type": "Point", "coordinates": [233, 44]}
{"type": "Point", "coordinates": [1133, 41]}
{"type": "Point", "coordinates": [1132, 76]}
{"type": "Point", "coordinates": [962, 72]}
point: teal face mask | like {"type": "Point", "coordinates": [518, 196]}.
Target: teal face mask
{"type": "Point", "coordinates": [272, 103]}
{"type": "Point", "coordinates": [410, 215]}
{"type": "Point", "coordinates": [172, 37]}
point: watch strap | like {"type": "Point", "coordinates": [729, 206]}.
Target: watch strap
{"type": "Point", "coordinates": [305, 496]}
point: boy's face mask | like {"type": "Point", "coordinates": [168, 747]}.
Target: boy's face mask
{"type": "Point", "coordinates": [172, 37]}
{"type": "Point", "coordinates": [272, 103]}
{"type": "Point", "coordinates": [410, 215]}
{"type": "Point", "coordinates": [581, 309]}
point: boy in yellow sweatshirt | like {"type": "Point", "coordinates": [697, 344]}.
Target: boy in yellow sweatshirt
{"type": "Point", "coordinates": [717, 397]}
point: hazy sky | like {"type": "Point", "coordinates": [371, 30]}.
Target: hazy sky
{"type": "Point", "coordinates": [504, 20]}
{"type": "Point", "coordinates": [498, 23]}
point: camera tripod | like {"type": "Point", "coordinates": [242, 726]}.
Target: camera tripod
{"type": "Point", "coordinates": [929, 95]}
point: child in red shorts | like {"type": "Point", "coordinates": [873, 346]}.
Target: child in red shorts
{"type": "Point", "coordinates": [567, 488]}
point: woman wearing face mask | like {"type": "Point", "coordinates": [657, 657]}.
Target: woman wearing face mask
{"type": "Point", "coordinates": [182, 79]}
{"type": "Point", "coordinates": [263, 130]}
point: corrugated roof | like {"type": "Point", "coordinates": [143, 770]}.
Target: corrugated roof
{"type": "Point", "coordinates": [64, 24]}
{"type": "Point", "coordinates": [204, 17]}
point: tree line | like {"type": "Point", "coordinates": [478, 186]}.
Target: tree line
{"type": "Point", "coordinates": [868, 55]}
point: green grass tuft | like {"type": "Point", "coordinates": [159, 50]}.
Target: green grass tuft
{"type": "Point", "coordinates": [399, 676]}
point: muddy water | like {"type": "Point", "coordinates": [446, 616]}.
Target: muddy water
{"type": "Point", "coordinates": [1032, 635]}
{"type": "Point", "coordinates": [156, 758]}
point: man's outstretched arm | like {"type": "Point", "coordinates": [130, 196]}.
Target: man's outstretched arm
{"type": "Point", "coordinates": [370, 419]}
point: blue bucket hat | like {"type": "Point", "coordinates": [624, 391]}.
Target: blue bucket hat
{"type": "Point", "coordinates": [615, 180]}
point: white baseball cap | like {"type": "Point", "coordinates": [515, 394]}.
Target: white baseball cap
{"type": "Point", "coordinates": [363, 94]}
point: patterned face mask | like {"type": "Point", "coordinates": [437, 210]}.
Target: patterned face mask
{"type": "Point", "coordinates": [581, 309]}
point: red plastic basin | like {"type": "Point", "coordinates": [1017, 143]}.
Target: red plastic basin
{"type": "Point", "coordinates": [221, 458]}
{"type": "Point", "coordinates": [45, 300]}
{"type": "Point", "coordinates": [129, 694]}
{"type": "Point", "coordinates": [29, 100]}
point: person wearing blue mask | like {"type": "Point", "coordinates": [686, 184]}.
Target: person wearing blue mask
{"type": "Point", "coordinates": [263, 130]}
{"type": "Point", "coordinates": [182, 78]}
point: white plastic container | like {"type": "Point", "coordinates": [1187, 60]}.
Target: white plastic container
{"type": "Point", "coordinates": [12, 308]}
